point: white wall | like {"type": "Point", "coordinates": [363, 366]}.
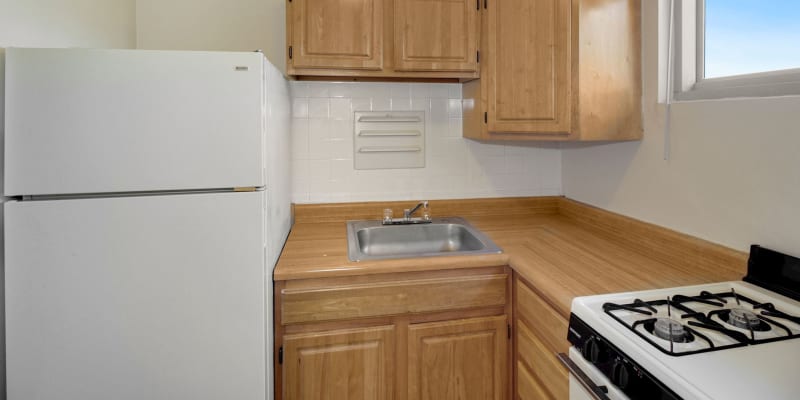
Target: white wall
{"type": "Point", "coordinates": [734, 172]}
{"type": "Point", "coordinates": [241, 25]}
{"type": "Point", "coordinates": [68, 23]}
{"type": "Point", "coordinates": [322, 149]}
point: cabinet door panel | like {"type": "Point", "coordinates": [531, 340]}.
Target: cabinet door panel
{"type": "Point", "coordinates": [355, 364]}
{"type": "Point", "coordinates": [344, 34]}
{"type": "Point", "coordinates": [528, 388]}
{"type": "Point", "coordinates": [542, 363]}
{"type": "Point", "coordinates": [530, 61]}
{"type": "Point", "coordinates": [463, 360]}
{"type": "Point", "coordinates": [436, 35]}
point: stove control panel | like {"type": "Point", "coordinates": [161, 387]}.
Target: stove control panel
{"type": "Point", "coordinates": [623, 372]}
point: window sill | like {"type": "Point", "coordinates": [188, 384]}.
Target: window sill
{"type": "Point", "coordinates": [766, 84]}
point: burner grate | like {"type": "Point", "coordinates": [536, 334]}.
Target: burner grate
{"type": "Point", "coordinates": [720, 321]}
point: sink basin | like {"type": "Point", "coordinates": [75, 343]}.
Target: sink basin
{"type": "Point", "coordinates": [371, 240]}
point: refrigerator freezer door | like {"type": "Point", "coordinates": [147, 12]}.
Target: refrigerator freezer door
{"type": "Point", "coordinates": [102, 121]}
{"type": "Point", "coordinates": [134, 298]}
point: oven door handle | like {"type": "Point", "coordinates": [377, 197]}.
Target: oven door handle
{"type": "Point", "coordinates": [597, 392]}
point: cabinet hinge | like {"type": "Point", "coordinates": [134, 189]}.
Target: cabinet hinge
{"type": "Point", "coordinates": [280, 355]}
{"type": "Point", "coordinates": [485, 117]}
{"type": "Point", "coordinates": [479, 56]}
{"type": "Point", "coordinates": [290, 52]}
{"type": "Point", "coordinates": [509, 330]}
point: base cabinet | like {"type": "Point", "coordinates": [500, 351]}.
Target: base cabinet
{"type": "Point", "coordinates": [462, 360]}
{"type": "Point", "coordinates": [355, 364]}
{"type": "Point", "coordinates": [528, 388]}
{"type": "Point", "coordinates": [435, 335]}
{"type": "Point", "coordinates": [540, 333]}
{"type": "Point", "coordinates": [395, 337]}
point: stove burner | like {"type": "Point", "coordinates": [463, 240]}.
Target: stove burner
{"type": "Point", "coordinates": [745, 319]}
{"type": "Point", "coordinates": [715, 321]}
{"type": "Point", "coordinates": [669, 329]}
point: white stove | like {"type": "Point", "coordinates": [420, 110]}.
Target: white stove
{"type": "Point", "coordinates": [732, 340]}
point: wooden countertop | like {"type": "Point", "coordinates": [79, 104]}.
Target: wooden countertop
{"type": "Point", "coordinates": [564, 249]}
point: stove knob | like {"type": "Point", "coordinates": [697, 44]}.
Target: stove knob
{"type": "Point", "coordinates": [620, 374]}
{"type": "Point", "coordinates": [592, 350]}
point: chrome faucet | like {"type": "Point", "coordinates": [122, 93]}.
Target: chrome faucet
{"type": "Point", "coordinates": [407, 216]}
{"type": "Point", "coordinates": [408, 213]}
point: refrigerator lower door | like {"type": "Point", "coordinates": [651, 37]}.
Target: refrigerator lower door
{"type": "Point", "coordinates": [135, 298]}
{"type": "Point", "coordinates": [108, 121]}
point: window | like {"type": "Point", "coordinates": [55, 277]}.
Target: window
{"type": "Point", "coordinates": [736, 48]}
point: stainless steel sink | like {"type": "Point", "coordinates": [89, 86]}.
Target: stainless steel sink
{"type": "Point", "coordinates": [371, 240]}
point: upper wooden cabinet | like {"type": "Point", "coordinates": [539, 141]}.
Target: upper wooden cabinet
{"type": "Point", "coordinates": [338, 34]}
{"type": "Point", "coordinates": [558, 70]}
{"type": "Point", "coordinates": [529, 85]}
{"type": "Point", "coordinates": [436, 35]}
{"type": "Point", "coordinates": [384, 38]}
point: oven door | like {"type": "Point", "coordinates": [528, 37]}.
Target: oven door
{"type": "Point", "coordinates": [587, 382]}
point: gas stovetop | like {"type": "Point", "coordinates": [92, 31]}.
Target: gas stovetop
{"type": "Point", "coordinates": [706, 321]}
{"type": "Point", "coordinates": [729, 340]}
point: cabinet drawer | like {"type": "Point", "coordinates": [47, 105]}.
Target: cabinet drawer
{"type": "Point", "coordinates": [542, 362]}
{"type": "Point", "coordinates": [392, 298]}
{"type": "Point", "coordinates": [545, 322]}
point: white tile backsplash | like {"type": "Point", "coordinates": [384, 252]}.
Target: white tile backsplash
{"type": "Point", "coordinates": [322, 149]}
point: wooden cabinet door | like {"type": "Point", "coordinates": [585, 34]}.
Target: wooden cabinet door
{"type": "Point", "coordinates": [436, 35]}
{"type": "Point", "coordinates": [530, 66]}
{"type": "Point", "coordinates": [528, 388]}
{"type": "Point", "coordinates": [336, 34]}
{"type": "Point", "coordinates": [540, 365]}
{"type": "Point", "coordinates": [541, 332]}
{"type": "Point", "coordinates": [353, 364]}
{"type": "Point", "coordinates": [458, 360]}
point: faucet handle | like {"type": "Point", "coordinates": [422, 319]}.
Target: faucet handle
{"type": "Point", "coordinates": [426, 211]}
{"type": "Point", "coordinates": [387, 215]}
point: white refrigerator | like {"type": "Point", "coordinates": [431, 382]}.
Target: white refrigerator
{"type": "Point", "coordinates": [150, 204]}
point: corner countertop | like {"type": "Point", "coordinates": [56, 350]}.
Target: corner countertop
{"type": "Point", "coordinates": [563, 249]}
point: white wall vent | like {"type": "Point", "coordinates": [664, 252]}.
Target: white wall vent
{"type": "Point", "coordinates": [389, 140]}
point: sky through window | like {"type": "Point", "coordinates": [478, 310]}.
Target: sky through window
{"type": "Point", "coordinates": [749, 36]}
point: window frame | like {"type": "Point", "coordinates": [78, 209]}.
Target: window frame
{"type": "Point", "coordinates": [689, 65]}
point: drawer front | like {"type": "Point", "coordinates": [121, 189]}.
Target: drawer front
{"type": "Point", "coordinates": [392, 298]}
{"type": "Point", "coordinates": [544, 321]}
{"type": "Point", "coordinates": [542, 362]}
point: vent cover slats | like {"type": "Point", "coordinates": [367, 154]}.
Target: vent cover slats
{"type": "Point", "coordinates": [389, 140]}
